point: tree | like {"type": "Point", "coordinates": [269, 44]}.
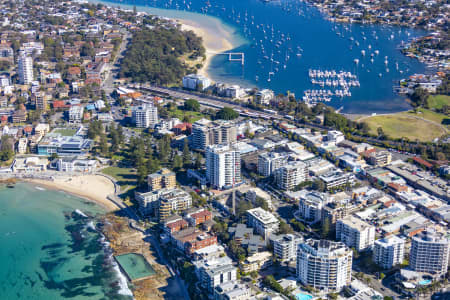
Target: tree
{"type": "Point", "coordinates": [198, 161]}
{"type": "Point", "coordinates": [191, 105]}
{"type": "Point", "coordinates": [103, 145]}
{"type": "Point", "coordinates": [325, 228]}
{"type": "Point", "coordinates": [142, 175]}
{"type": "Point", "coordinates": [227, 113]}
{"type": "Point", "coordinates": [177, 162]}
{"type": "Point", "coordinates": [187, 160]}
{"type": "Point", "coordinates": [284, 228]}
{"type": "Point", "coordinates": [6, 148]}
{"type": "Point", "coordinates": [318, 185]}
{"type": "Point", "coordinates": [87, 50]}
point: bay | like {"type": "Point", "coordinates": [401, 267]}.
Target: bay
{"type": "Point", "coordinates": [289, 37]}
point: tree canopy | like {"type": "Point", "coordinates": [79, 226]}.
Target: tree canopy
{"type": "Point", "coordinates": [227, 113]}
{"type": "Point", "coordinates": [154, 54]}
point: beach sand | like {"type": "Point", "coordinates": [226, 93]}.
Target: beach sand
{"type": "Point", "coordinates": [215, 40]}
{"type": "Point", "coordinates": [95, 188]}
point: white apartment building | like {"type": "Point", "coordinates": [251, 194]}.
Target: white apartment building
{"type": "Point", "coordinates": [291, 174]}
{"type": "Point", "coordinates": [310, 204]}
{"type": "Point", "coordinates": [232, 290]}
{"type": "Point", "coordinates": [196, 81]}
{"type": "Point", "coordinates": [355, 233]}
{"type": "Point", "coordinates": [264, 96]}
{"type": "Point", "coordinates": [285, 246]}
{"type": "Point", "coordinates": [148, 202]}
{"type": "Point", "coordinates": [263, 222]}
{"type": "Point", "coordinates": [336, 178]}
{"type": "Point", "coordinates": [223, 166]}
{"type": "Point", "coordinates": [215, 272]}
{"type": "Point", "coordinates": [22, 146]}
{"type": "Point", "coordinates": [145, 116]}
{"type": "Point", "coordinates": [25, 69]}
{"type": "Point", "coordinates": [76, 114]}
{"type": "Point", "coordinates": [429, 252]}
{"type": "Point", "coordinates": [268, 162]}
{"type": "Point", "coordinates": [324, 265]}
{"type": "Point", "coordinates": [335, 136]}
{"type": "Point", "coordinates": [389, 251]}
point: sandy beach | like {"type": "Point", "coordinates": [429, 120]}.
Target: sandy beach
{"type": "Point", "coordinates": [95, 188]}
{"type": "Point", "coordinates": [215, 40]}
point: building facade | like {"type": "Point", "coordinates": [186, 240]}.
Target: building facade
{"type": "Point", "coordinates": [285, 246]}
{"type": "Point", "coordinates": [163, 179]}
{"type": "Point", "coordinates": [269, 162]}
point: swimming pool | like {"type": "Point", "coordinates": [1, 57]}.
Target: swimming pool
{"type": "Point", "coordinates": [425, 282]}
{"type": "Point", "coordinates": [135, 265]}
{"type": "Point", "coordinates": [301, 296]}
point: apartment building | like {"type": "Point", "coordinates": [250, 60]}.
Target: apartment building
{"type": "Point", "coordinates": [310, 204]}
{"type": "Point", "coordinates": [223, 166]}
{"type": "Point", "coordinates": [285, 246]}
{"type": "Point", "coordinates": [76, 114]}
{"type": "Point", "coordinates": [22, 145]}
{"type": "Point", "coordinates": [389, 251]}
{"type": "Point", "coordinates": [263, 222]}
{"type": "Point", "coordinates": [290, 175]}
{"type": "Point", "coordinates": [173, 200]}
{"type": "Point", "coordinates": [355, 233]}
{"type": "Point", "coordinates": [429, 252]}
{"type": "Point", "coordinates": [264, 96]}
{"type": "Point", "coordinates": [269, 162]}
{"type": "Point", "coordinates": [206, 133]}
{"type": "Point", "coordinates": [25, 69]}
{"type": "Point", "coordinates": [380, 158]}
{"type": "Point", "coordinates": [324, 265]}
{"type": "Point", "coordinates": [145, 116]}
{"type": "Point", "coordinates": [337, 178]}
{"type": "Point", "coordinates": [215, 272]}
{"type": "Point", "coordinates": [196, 82]}
{"type": "Point", "coordinates": [163, 179]}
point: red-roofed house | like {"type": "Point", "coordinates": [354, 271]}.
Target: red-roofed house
{"type": "Point", "coordinates": [182, 128]}
{"type": "Point", "coordinates": [422, 162]}
{"type": "Point", "coordinates": [175, 225]}
{"type": "Point", "coordinates": [60, 104]}
{"type": "Point", "coordinates": [199, 217]}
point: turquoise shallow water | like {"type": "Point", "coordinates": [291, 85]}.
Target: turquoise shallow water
{"type": "Point", "coordinates": [286, 38]}
{"type": "Point", "coordinates": [50, 252]}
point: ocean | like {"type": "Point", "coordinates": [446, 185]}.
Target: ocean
{"type": "Point", "coordinates": [51, 250]}
{"type": "Point", "coordinates": [285, 39]}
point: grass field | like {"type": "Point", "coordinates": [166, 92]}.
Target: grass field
{"type": "Point", "coordinates": [65, 131]}
{"type": "Point", "coordinates": [438, 101]}
{"type": "Point", "coordinates": [193, 115]}
{"type": "Point", "coordinates": [126, 177]}
{"type": "Point", "coordinates": [407, 124]}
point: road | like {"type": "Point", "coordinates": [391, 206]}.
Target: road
{"type": "Point", "coordinates": [113, 70]}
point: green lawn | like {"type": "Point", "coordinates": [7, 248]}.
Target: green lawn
{"type": "Point", "coordinates": [65, 131]}
{"type": "Point", "coordinates": [428, 115]}
{"type": "Point", "coordinates": [438, 101]}
{"type": "Point", "coordinates": [126, 177]}
{"type": "Point", "coordinates": [193, 115]}
{"type": "Point", "coordinates": [405, 125]}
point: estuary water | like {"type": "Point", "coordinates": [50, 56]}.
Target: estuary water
{"type": "Point", "coordinates": [285, 39]}
{"type": "Point", "coordinates": [51, 250]}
